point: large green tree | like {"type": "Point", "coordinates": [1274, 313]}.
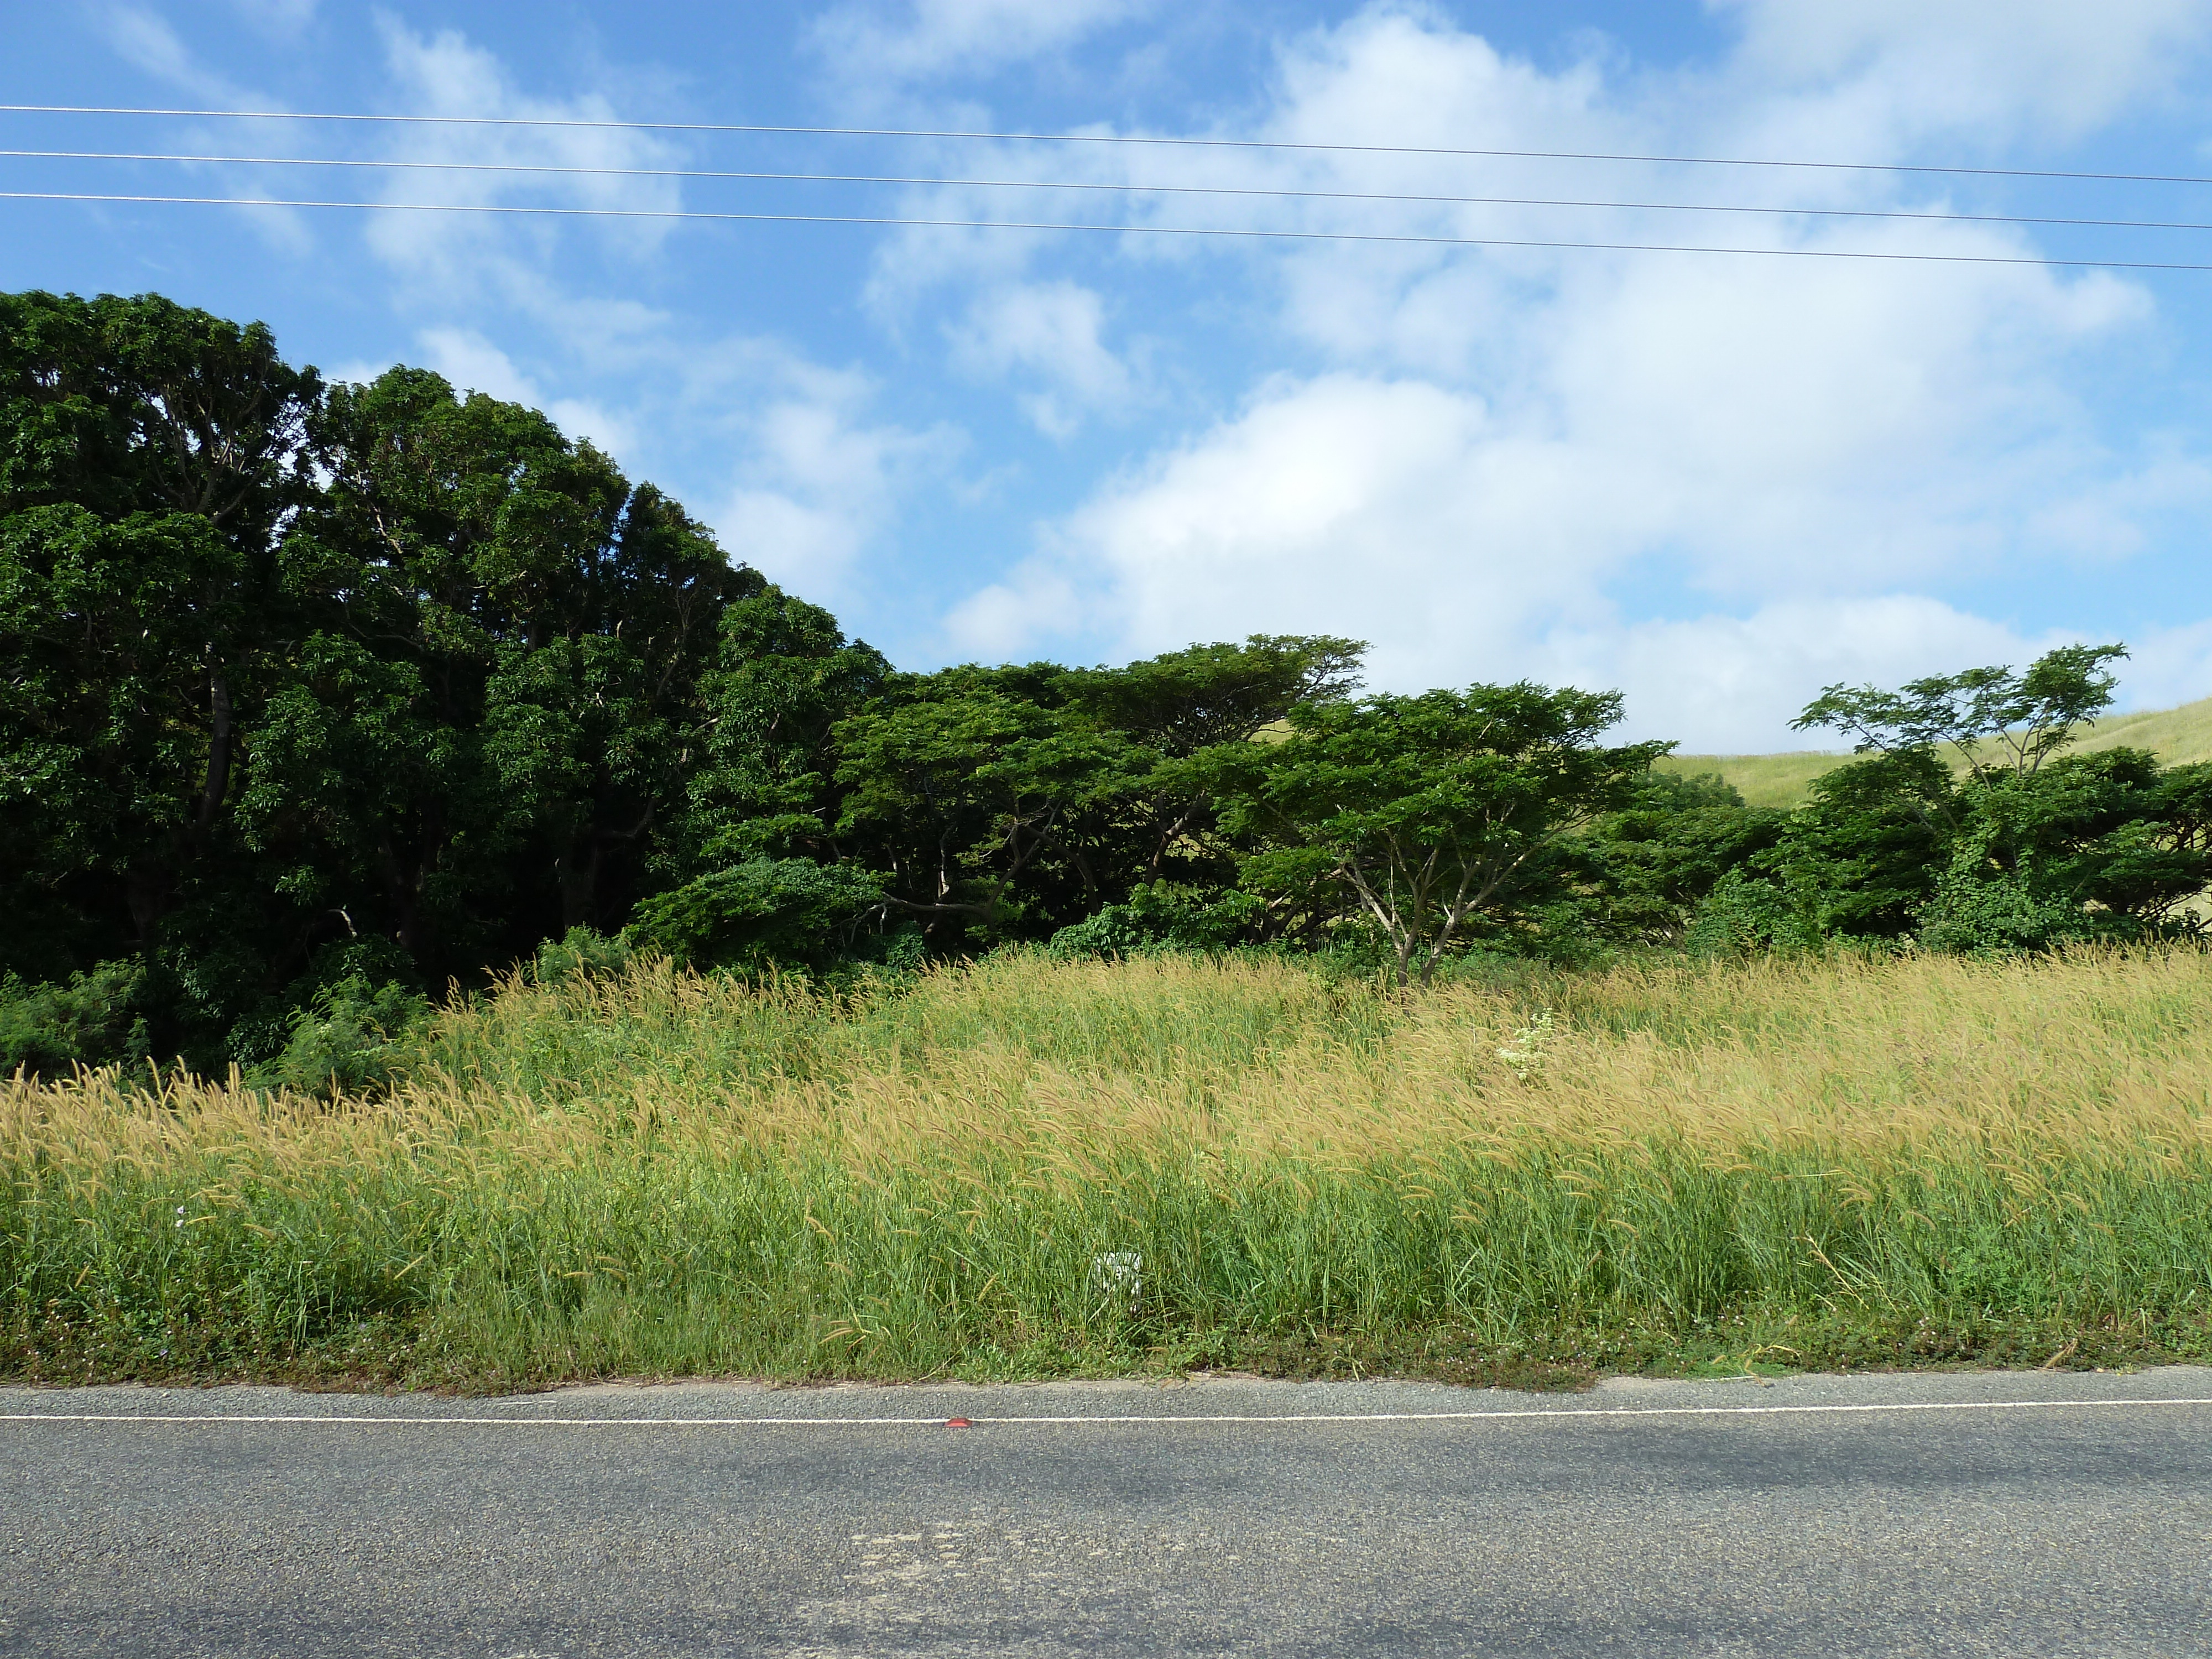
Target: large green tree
{"type": "Point", "coordinates": [376, 678]}
{"type": "Point", "coordinates": [2099, 845]}
{"type": "Point", "coordinates": [495, 714]}
{"type": "Point", "coordinates": [1013, 801]}
{"type": "Point", "coordinates": [979, 802]}
{"type": "Point", "coordinates": [1987, 721]}
{"type": "Point", "coordinates": [783, 676]}
{"type": "Point", "coordinates": [1427, 814]}
{"type": "Point", "coordinates": [1178, 707]}
{"type": "Point", "coordinates": [150, 458]}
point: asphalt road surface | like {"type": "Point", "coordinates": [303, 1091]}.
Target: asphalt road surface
{"type": "Point", "coordinates": [2015, 1515]}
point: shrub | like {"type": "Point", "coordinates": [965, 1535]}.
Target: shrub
{"type": "Point", "coordinates": [579, 953]}
{"type": "Point", "coordinates": [1742, 914]}
{"type": "Point", "coordinates": [1161, 916]}
{"type": "Point", "coordinates": [264, 1031]}
{"type": "Point", "coordinates": [761, 912]}
{"type": "Point", "coordinates": [354, 1038]}
{"type": "Point", "coordinates": [1974, 913]}
{"type": "Point", "coordinates": [92, 1019]}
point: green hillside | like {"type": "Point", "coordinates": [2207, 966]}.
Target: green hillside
{"type": "Point", "coordinates": [1764, 780]}
{"type": "Point", "coordinates": [2176, 735]}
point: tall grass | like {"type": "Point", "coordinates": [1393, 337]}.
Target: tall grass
{"type": "Point", "coordinates": [661, 1173]}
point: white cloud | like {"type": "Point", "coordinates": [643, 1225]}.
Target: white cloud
{"type": "Point", "coordinates": [285, 20]}
{"type": "Point", "coordinates": [473, 363]}
{"type": "Point", "coordinates": [1993, 70]}
{"type": "Point", "coordinates": [1308, 513]}
{"type": "Point", "coordinates": [816, 481]}
{"type": "Point", "coordinates": [1047, 335]}
{"type": "Point", "coordinates": [446, 75]}
{"type": "Point", "coordinates": [868, 46]}
{"type": "Point", "coordinates": [1403, 76]}
{"type": "Point", "coordinates": [2168, 665]}
{"type": "Point", "coordinates": [1678, 417]}
{"type": "Point", "coordinates": [145, 39]}
{"type": "Point", "coordinates": [1735, 682]}
{"type": "Point", "coordinates": [1516, 447]}
{"type": "Point", "coordinates": [1700, 432]}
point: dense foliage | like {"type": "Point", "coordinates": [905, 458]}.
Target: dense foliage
{"type": "Point", "coordinates": [321, 697]}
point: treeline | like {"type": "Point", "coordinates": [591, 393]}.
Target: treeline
{"type": "Point", "coordinates": [319, 697]}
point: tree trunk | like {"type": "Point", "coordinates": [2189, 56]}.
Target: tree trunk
{"type": "Point", "coordinates": [402, 884]}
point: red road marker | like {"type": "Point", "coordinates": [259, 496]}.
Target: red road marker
{"type": "Point", "coordinates": [957, 1423]}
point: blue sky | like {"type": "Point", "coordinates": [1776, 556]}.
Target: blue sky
{"type": "Point", "coordinates": [1716, 482]}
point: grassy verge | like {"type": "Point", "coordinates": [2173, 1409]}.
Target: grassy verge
{"type": "Point", "coordinates": [1673, 1169]}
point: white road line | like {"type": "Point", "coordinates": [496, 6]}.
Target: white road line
{"type": "Point", "coordinates": [1134, 1422]}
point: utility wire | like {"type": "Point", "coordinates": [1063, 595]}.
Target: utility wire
{"type": "Point", "coordinates": [1051, 184]}
{"type": "Point", "coordinates": [1094, 138]}
{"type": "Point", "coordinates": [1118, 230]}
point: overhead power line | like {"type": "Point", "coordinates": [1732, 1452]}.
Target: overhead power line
{"type": "Point", "coordinates": [534, 169]}
{"type": "Point", "coordinates": [1118, 230]}
{"type": "Point", "coordinates": [765, 128]}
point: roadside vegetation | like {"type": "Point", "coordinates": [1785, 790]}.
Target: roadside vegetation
{"type": "Point", "coordinates": [1520, 1175]}
{"type": "Point", "coordinates": [458, 925]}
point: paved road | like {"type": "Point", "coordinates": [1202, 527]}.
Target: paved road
{"type": "Point", "coordinates": [1215, 1517]}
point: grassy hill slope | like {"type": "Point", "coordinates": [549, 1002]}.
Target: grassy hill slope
{"type": "Point", "coordinates": [2176, 735]}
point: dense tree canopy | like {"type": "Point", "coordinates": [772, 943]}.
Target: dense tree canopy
{"type": "Point", "coordinates": [321, 696]}
{"type": "Point", "coordinates": [1428, 811]}
{"type": "Point", "coordinates": [311, 680]}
